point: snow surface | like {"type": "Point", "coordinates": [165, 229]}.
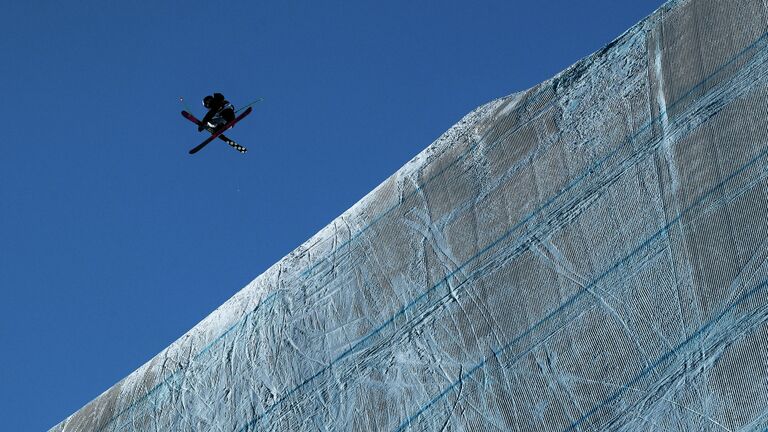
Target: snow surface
{"type": "Point", "coordinates": [590, 254]}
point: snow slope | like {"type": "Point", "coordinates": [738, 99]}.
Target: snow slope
{"type": "Point", "coordinates": [590, 254]}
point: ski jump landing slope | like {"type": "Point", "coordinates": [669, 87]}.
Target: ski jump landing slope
{"type": "Point", "coordinates": [587, 255]}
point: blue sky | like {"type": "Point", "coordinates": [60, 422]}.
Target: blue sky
{"type": "Point", "coordinates": [114, 241]}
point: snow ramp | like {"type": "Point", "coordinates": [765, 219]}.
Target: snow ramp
{"type": "Point", "coordinates": [587, 255]}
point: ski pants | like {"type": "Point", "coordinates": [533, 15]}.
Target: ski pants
{"type": "Point", "coordinates": [224, 116]}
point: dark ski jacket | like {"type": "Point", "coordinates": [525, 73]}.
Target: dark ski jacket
{"type": "Point", "coordinates": [218, 105]}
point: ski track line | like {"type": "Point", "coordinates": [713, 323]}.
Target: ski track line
{"type": "Point", "coordinates": [746, 296]}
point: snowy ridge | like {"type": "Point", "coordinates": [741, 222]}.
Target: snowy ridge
{"type": "Point", "coordinates": [589, 254]}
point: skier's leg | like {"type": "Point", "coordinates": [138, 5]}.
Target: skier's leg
{"type": "Point", "coordinates": [228, 114]}
{"type": "Point", "coordinates": [221, 120]}
{"type": "Point", "coordinates": [217, 122]}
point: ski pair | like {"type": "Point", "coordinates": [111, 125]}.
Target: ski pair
{"type": "Point", "coordinates": [218, 134]}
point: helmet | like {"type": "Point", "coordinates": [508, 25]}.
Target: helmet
{"type": "Point", "coordinates": [207, 101]}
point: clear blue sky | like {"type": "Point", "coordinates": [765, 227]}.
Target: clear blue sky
{"type": "Point", "coordinates": [114, 241]}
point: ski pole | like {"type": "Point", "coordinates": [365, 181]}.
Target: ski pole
{"type": "Point", "coordinates": [252, 103]}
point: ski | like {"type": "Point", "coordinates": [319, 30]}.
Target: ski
{"type": "Point", "coordinates": [218, 134]}
{"type": "Point", "coordinates": [222, 137]}
{"type": "Point", "coordinates": [194, 120]}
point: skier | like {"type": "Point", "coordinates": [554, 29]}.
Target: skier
{"type": "Point", "coordinates": [220, 112]}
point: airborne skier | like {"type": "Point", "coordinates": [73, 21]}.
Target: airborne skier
{"type": "Point", "coordinates": [220, 117]}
